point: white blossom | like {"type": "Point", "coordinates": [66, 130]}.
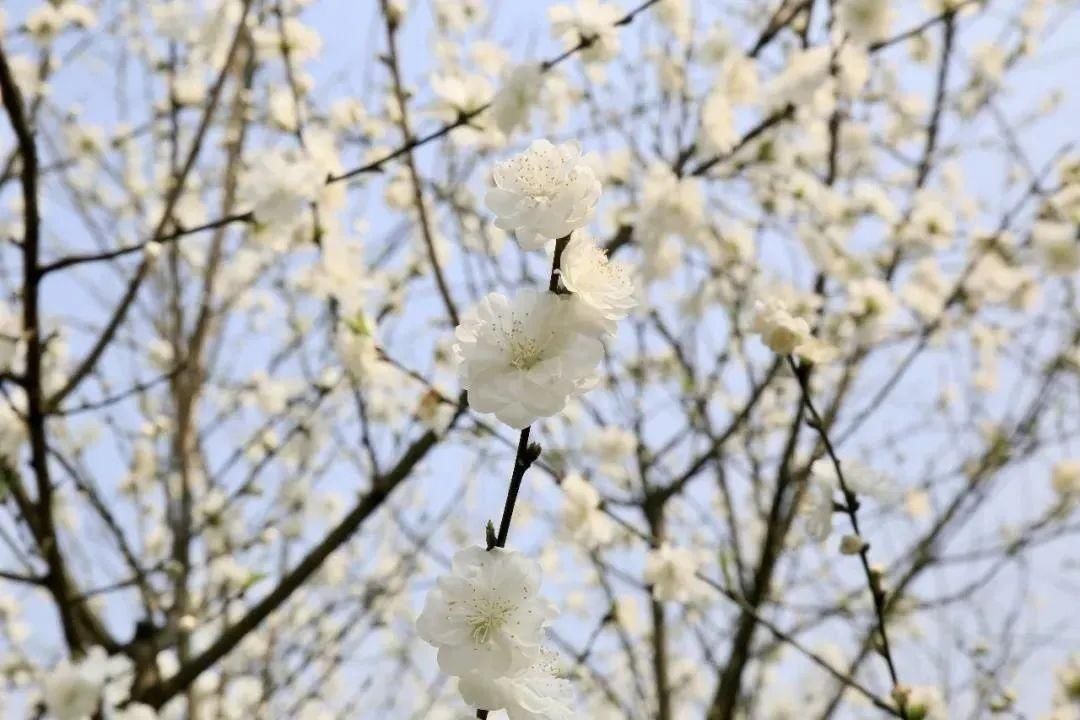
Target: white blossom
{"type": "Point", "coordinates": [787, 334]}
{"type": "Point", "coordinates": [523, 358]}
{"type": "Point", "coordinates": [603, 290]}
{"type": "Point", "coordinates": [459, 15]}
{"type": "Point", "coordinates": [278, 188]}
{"type": "Point", "coordinates": [1058, 246]}
{"type": "Point", "coordinates": [614, 448]}
{"type": "Point", "coordinates": [486, 616]}
{"type": "Point", "coordinates": [865, 21]}
{"type": "Point", "coordinates": [543, 193]}
{"type": "Point", "coordinates": [581, 512]}
{"type": "Point", "coordinates": [806, 73]}
{"type": "Point", "coordinates": [675, 15]}
{"type": "Point", "coordinates": [1065, 479]}
{"type": "Point", "coordinates": [533, 692]}
{"type": "Point", "coordinates": [517, 97]}
{"type": "Point", "coordinates": [460, 94]}
{"type": "Point", "coordinates": [588, 19]}
{"type": "Point", "coordinates": [136, 711]}
{"type": "Point", "coordinates": [672, 573]}
{"type": "Point", "coordinates": [44, 23]}
{"type": "Point", "coordinates": [670, 205]}
{"type": "Point", "coordinates": [718, 122]}
{"type": "Point", "coordinates": [72, 691]}
{"type": "Point", "coordinates": [931, 225]}
{"type": "Point", "coordinates": [818, 506]}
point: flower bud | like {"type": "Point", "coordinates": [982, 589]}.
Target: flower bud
{"type": "Point", "coordinates": [852, 545]}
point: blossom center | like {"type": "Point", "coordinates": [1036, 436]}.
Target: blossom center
{"type": "Point", "coordinates": [525, 352]}
{"type": "Point", "coordinates": [487, 618]}
{"type": "Point", "coordinates": [538, 176]}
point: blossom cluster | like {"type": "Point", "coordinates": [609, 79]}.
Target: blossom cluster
{"type": "Point", "coordinates": [523, 357]}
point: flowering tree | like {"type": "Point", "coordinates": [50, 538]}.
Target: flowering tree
{"type": "Point", "coordinates": [688, 360]}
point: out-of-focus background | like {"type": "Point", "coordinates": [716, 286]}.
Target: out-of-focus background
{"type": "Point", "coordinates": [966, 413]}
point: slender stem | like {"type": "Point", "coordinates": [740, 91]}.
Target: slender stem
{"type": "Point", "coordinates": [526, 454]}
{"type": "Point", "coordinates": [851, 509]}
{"type": "Point", "coordinates": [522, 462]}
{"type": "Point", "coordinates": [410, 162]}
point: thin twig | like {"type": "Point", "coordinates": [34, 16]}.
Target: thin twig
{"type": "Point", "coordinates": [851, 509]}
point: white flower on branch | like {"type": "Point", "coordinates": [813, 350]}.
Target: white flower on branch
{"type": "Point", "coordinates": [517, 97]}
{"type": "Point", "coordinates": [278, 188]}
{"type": "Point", "coordinates": [787, 334]}
{"type": "Point", "coordinates": [805, 75]}
{"type": "Point", "coordinates": [460, 94]}
{"type": "Point", "coordinates": [603, 290]}
{"type": "Point", "coordinates": [865, 21]}
{"type": "Point", "coordinates": [534, 692]}
{"type": "Point", "coordinates": [581, 512]}
{"type": "Point", "coordinates": [675, 15]}
{"type": "Point", "coordinates": [671, 571]}
{"type": "Point", "coordinates": [613, 449]}
{"type": "Point", "coordinates": [72, 691]}
{"type": "Point", "coordinates": [1057, 245]}
{"type": "Point", "coordinates": [486, 616]}
{"type": "Point", "coordinates": [1065, 479]}
{"type": "Point", "coordinates": [12, 344]}
{"type": "Point", "coordinates": [44, 23]}
{"type": "Point", "coordinates": [543, 193]}
{"type": "Point", "coordinates": [136, 711]}
{"type": "Point", "coordinates": [819, 502]}
{"type": "Point", "coordinates": [591, 21]}
{"type": "Point", "coordinates": [718, 122]}
{"type": "Point", "coordinates": [670, 205]}
{"type": "Point", "coordinates": [522, 358]}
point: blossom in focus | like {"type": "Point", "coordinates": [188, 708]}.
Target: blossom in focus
{"type": "Point", "coordinates": [72, 691]}
{"type": "Point", "coordinates": [671, 571]}
{"type": "Point", "coordinates": [543, 193]}
{"type": "Point", "coordinates": [486, 616]}
{"type": "Point", "coordinates": [522, 358]}
{"type": "Point", "coordinates": [533, 692]}
{"type": "Point", "coordinates": [603, 290]}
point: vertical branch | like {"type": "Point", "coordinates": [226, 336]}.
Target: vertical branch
{"type": "Point", "coordinates": [851, 509]}
{"type": "Point", "coordinates": [79, 626]}
{"type": "Point", "coordinates": [527, 453]}
{"type": "Point", "coordinates": [410, 162]}
{"type": "Point", "coordinates": [654, 513]}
